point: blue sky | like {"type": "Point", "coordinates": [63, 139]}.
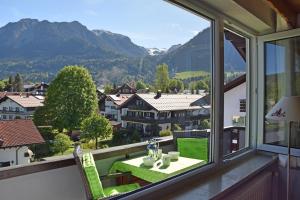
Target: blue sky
{"type": "Point", "coordinates": [149, 23]}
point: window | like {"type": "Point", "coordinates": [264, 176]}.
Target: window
{"type": "Point", "coordinates": [235, 134]}
{"type": "Point", "coordinates": [4, 117]}
{"type": "Point", "coordinates": [282, 78]}
{"type": "Point", "coordinates": [181, 67]}
{"type": "Point", "coordinates": [10, 108]}
{"type": "Point", "coordinates": [4, 108]}
{"type": "Point", "coordinates": [17, 109]}
{"type": "Point", "coordinates": [242, 105]}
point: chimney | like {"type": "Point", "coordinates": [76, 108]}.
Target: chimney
{"type": "Point", "coordinates": [158, 94]}
{"type": "Point", "coordinates": [1, 142]}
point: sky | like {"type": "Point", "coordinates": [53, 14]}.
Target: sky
{"type": "Point", "coordinates": [149, 23]}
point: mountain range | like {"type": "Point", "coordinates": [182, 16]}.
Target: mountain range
{"type": "Point", "coordinates": [39, 49]}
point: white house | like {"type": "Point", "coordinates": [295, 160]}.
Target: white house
{"type": "Point", "coordinates": [235, 102]}
{"type": "Point", "coordinates": [19, 106]}
{"type": "Point", "coordinates": [15, 136]}
{"type": "Point", "coordinates": [112, 106]}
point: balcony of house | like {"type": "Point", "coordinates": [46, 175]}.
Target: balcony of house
{"type": "Point", "coordinates": [59, 178]}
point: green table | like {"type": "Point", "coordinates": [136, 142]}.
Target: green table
{"type": "Point", "coordinates": [157, 172]}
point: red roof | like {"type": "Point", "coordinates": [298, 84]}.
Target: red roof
{"type": "Point", "coordinates": [19, 132]}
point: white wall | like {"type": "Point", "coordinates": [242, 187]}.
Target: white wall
{"type": "Point", "coordinates": [9, 155]}
{"type": "Point", "coordinates": [59, 184]}
{"type": "Point", "coordinates": [232, 103]}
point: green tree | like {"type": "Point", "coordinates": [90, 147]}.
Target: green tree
{"type": "Point", "coordinates": [176, 85]}
{"type": "Point", "coordinates": [61, 143]}
{"type": "Point", "coordinates": [11, 84]}
{"type": "Point", "coordinates": [199, 85]}
{"type": "Point", "coordinates": [95, 127]}
{"type": "Point", "coordinates": [41, 117]}
{"type": "Point", "coordinates": [108, 89]}
{"type": "Point", "coordinates": [204, 124]}
{"type": "Point", "coordinates": [71, 97]}
{"type": "Point", "coordinates": [140, 85]}
{"type": "Point", "coordinates": [162, 77]}
{"type": "Point", "coordinates": [18, 83]}
{"type": "Point", "coordinates": [2, 85]}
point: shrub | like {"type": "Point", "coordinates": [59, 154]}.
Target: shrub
{"type": "Point", "coordinates": [165, 133]}
{"type": "Point", "coordinates": [61, 143]}
{"type": "Point", "coordinates": [135, 137]}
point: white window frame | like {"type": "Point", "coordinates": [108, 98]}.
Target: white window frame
{"type": "Point", "coordinates": [261, 88]}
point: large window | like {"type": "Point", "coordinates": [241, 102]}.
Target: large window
{"type": "Point", "coordinates": [282, 78]}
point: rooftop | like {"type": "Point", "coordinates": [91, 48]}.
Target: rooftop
{"type": "Point", "coordinates": [167, 102]}
{"type": "Point", "coordinates": [19, 133]}
{"type": "Point", "coordinates": [119, 99]}
{"type": "Point", "coordinates": [25, 101]}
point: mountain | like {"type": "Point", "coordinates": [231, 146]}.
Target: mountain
{"type": "Point", "coordinates": [39, 49]}
{"type": "Point", "coordinates": [195, 55]}
{"type": "Point", "coordinates": [30, 38]}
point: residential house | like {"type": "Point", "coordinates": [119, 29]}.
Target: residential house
{"type": "Point", "coordinates": [113, 104]}
{"type": "Point", "coordinates": [126, 88]}
{"type": "Point", "coordinates": [151, 113]}
{"type": "Point", "coordinates": [235, 102]}
{"type": "Point", "coordinates": [15, 137]}
{"type": "Point", "coordinates": [19, 106]}
{"type": "Point", "coordinates": [36, 89]}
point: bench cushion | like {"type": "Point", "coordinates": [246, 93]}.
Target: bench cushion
{"type": "Point", "coordinates": [92, 175]}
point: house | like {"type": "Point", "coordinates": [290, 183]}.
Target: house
{"type": "Point", "coordinates": [36, 89]}
{"type": "Point", "coordinates": [113, 104]}
{"type": "Point", "coordinates": [235, 102]}
{"type": "Point", "coordinates": [126, 88]}
{"type": "Point", "coordinates": [15, 137]}
{"type": "Point", "coordinates": [19, 106]}
{"type": "Point", "coordinates": [151, 113]}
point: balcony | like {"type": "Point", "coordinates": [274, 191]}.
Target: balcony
{"type": "Point", "coordinates": [58, 178]}
{"type": "Point", "coordinates": [147, 120]}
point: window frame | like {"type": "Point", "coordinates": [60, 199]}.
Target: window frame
{"type": "Point", "coordinates": [261, 91]}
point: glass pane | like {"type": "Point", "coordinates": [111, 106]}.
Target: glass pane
{"type": "Point", "coordinates": [139, 77]}
{"type": "Point", "coordinates": [282, 78]}
{"type": "Point", "coordinates": [235, 98]}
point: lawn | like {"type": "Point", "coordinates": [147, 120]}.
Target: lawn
{"type": "Point", "coordinates": [190, 74]}
{"type": "Point", "coordinates": [193, 148]}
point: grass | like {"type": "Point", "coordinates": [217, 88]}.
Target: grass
{"type": "Point", "coordinates": [190, 74]}
{"type": "Point", "coordinates": [193, 148]}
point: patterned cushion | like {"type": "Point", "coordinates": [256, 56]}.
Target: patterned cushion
{"type": "Point", "coordinates": [92, 175]}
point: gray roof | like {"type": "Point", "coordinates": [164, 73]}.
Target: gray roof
{"type": "Point", "coordinates": [168, 102]}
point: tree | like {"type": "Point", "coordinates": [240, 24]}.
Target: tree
{"type": "Point", "coordinates": [176, 85]}
{"type": "Point", "coordinates": [71, 97]}
{"type": "Point", "coordinates": [41, 117]}
{"type": "Point", "coordinates": [95, 127]}
{"type": "Point", "coordinates": [204, 124]}
{"type": "Point", "coordinates": [199, 85]}
{"type": "Point", "coordinates": [61, 143]}
{"type": "Point", "coordinates": [18, 83]}
{"type": "Point", "coordinates": [2, 85]}
{"type": "Point", "coordinates": [11, 84]}
{"type": "Point", "coordinates": [162, 77]}
{"type": "Point", "coordinates": [140, 85]}
{"type": "Point", "coordinates": [108, 89]}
